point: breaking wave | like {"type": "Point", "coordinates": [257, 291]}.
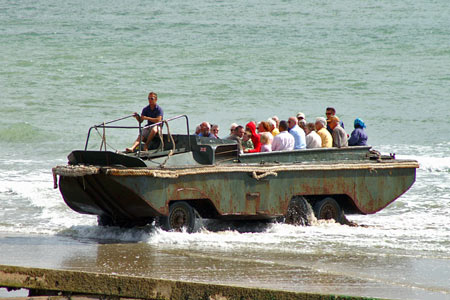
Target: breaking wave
{"type": "Point", "coordinates": [431, 158]}
{"type": "Point", "coordinates": [323, 237]}
{"type": "Point", "coordinates": [430, 164]}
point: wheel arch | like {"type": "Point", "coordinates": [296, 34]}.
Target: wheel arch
{"type": "Point", "coordinates": [345, 202]}
{"type": "Point", "coordinates": [204, 207]}
{"type": "Point", "coordinates": [197, 198]}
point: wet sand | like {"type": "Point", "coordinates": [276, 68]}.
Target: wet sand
{"type": "Point", "coordinates": [345, 274]}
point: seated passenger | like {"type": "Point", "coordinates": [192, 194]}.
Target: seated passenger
{"type": "Point", "coordinates": [247, 141]}
{"type": "Point", "coordinates": [359, 135]}
{"type": "Point", "coordinates": [339, 135]}
{"type": "Point", "coordinates": [232, 128]}
{"type": "Point", "coordinates": [301, 116]}
{"type": "Point", "coordinates": [297, 133]}
{"type": "Point", "coordinates": [237, 135]}
{"type": "Point", "coordinates": [263, 127]}
{"type": "Point", "coordinates": [313, 140]}
{"type": "Point", "coordinates": [198, 129]}
{"type": "Point", "coordinates": [204, 130]}
{"type": "Point", "coordinates": [284, 140]}
{"type": "Point", "coordinates": [277, 121]}
{"type": "Point", "coordinates": [273, 127]}
{"type": "Point", "coordinates": [266, 142]}
{"type": "Point", "coordinates": [321, 129]}
{"type": "Point", "coordinates": [153, 113]}
{"type": "Point", "coordinates": [302, 124]}
{"type": "Point", "coordinates": [215, 130]}
{"type": "Point", "coordinates": [251, 127]}
{"type": "Point", "coordinates": [331, 112]}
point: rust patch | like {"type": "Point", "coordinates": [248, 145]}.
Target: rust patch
{"type": "Point", "coordinates": [252, 201]}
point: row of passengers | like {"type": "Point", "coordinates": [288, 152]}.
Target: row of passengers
{"type": "Point", "coordinates": [250, 140]}
{"type": "Point", "coordinates": [271, 125]}
{"type": "Point", "coordinates": [237, 133]}
{"type": "Point", "coordinates": [339, 138]}
{"type": "Point", "coordinates": [153, 113]}
{"type": "Point", "coordinates": [290, 136]}
{"type": "Point", "coordinates": [358, 136]}
{"type": "Point", "coordinates": [301, 118]}
{"type": "Point", "coordinates": [205, 129]}
{"type": "Point", "coordinates": [299, 133]}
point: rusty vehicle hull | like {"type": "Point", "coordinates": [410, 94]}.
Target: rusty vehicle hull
{"type": "Point", "coordinates": [136, 194]}
{"type": "Point", "coordinates": [209, 178]}
{"type": "Point", "coordinates": [236, 194]}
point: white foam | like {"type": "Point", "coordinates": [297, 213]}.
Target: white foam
{"type": "Point", "coordinates": [430, 163]}
{"type": "Point", "coordinates": [36, 206]}
{"type": "Point", "coordinates": [107, 233]}
{"type": "Point", "coordinates": [433, 158]}
{"type": "Point", "coordinates": [415, 224]}
{"type": "Point", "coordinates": [325, 237]}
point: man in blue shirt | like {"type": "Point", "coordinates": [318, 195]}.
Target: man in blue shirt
{"type": "Point", "coordinates": [205, 128]}
{"type": "Point", "coordinates": [297, 133]}
{"type": "Point", "coordinates": [331, 112]}
{"type": "Point", "coordinates": [153, 113]}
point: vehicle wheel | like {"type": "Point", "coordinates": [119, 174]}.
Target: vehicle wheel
{"type": "Point", "coordinates": [299, 212]}
{"type": "Point", "coordinates": [327, 209]}
{"type": "Point", "coordinates": [181, 215]}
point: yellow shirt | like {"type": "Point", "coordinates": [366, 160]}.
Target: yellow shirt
{"type": "Point", "coordinates": [275, 131]}
{"type": "Point", "coordinates": [327, 139]}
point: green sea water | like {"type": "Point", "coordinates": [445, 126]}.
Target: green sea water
{"type": "Point", "coordinates": [67, 65]}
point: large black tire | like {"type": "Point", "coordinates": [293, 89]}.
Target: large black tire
{"type": "Point", "coordinates": [299, 212]}
{"type": "Point", "coordinates": [327, 209]}
{"type": "Point", "coordinates": [181, 216]}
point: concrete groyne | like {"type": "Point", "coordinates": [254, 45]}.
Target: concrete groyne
{"type": "Point", "coordinates": [64, 284]}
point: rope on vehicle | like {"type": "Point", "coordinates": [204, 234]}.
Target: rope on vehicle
{"type": "Point", "coordinates": [161, 138]}
{"type": "Point", "coordinates": [103, 138]}
{"type": "Point", "coordinates": [163, 164]}
{"type": "Point", "coordinates": [257, 171]}
{"type": "Point", "coordinates": [72, 171]}
{"type": "Point", "coordinates": [265, 174]}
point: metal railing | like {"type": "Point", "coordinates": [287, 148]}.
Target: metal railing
{"type": "Point", "coordinates": [105, 125]}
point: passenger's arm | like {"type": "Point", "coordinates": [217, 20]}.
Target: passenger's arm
{"type": "Point", "coordinates": [153, 120]}
{"type": "Point", "coordinates": [253, 150]}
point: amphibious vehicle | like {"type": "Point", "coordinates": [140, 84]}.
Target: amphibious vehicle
{"type": "Point", "coordinates": [183, 178]}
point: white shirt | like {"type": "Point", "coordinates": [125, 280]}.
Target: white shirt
{"type": "Point", "coordinates": [313, 140]}
{"type": "Point", "coordinates": [283, 141]}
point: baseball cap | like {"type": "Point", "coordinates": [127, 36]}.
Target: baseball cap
{"type": "Point", "coordinates": [301, 115]}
